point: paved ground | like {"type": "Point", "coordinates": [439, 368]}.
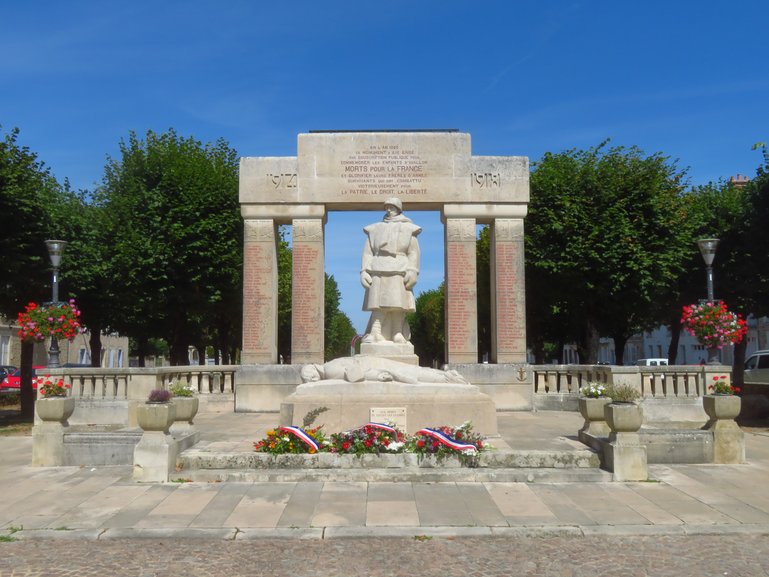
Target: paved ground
{"type": "Point", "coordinates": [689, 520]}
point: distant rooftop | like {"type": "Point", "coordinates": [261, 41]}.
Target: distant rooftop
{"type": "Point", "coordinates": [739, 180]}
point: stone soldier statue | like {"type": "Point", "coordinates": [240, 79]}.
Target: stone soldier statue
{"type": "Point", "coordinates": [389, 270]}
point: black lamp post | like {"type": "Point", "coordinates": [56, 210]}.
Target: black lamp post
{"type": "Point", "coordinates": [55, 250]}
{"type": "Point", "coordinates": [708, 251]}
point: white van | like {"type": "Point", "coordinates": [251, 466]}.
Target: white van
{"type": "Point", "coordinates": [652, 362]}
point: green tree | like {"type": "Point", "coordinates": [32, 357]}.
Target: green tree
{"type": "Point", "coordinates": [608, 234]}
{"type": "Point", "coordinates": [427, 327]}
{"type": "Point", "coordinates": [337, 325]}
{"type": "Point", "coordinates": [285, 275]}
{"type": "Point", "coordinates": [174, 218]}
{"type": "Point", "coordinates": [713, 208]}
{"type": "Point", "coordinates": [742, 260]}
{"type": "Point", "coordinates": [30, 205]}
{"type": "Point", "coordinates": [29, 201]}
{"type": "Point", "coordinates": [483, 284]}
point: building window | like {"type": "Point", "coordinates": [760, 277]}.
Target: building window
{"type": "Point", "coordinates": [5, 344]}
{"type": "Point", "coordinates": [84, 357]}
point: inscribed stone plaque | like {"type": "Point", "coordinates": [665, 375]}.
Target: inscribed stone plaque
{"type": "Point", "coordinates": [508, 298]}
{"type": "Point", "coordinates": [260, 278]}
{"type": "Point", "coordinates": [364, 168]}
{"type": "Point", "coordinates": [307, 292]}
{"type": "Point", "coordinates": [395, 416]}
{"type": "Point", "coordinates": [461, 291]}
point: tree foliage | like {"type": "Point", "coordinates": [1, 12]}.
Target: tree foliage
{"type": "Point", "coordinates": [427, 327]}
{"type": "Point", "coordinates": [172, 214]}
{"type": "Point", "coordinates": [30, 200]}
{"type": "Point", "coordinates": [338, 326]}
{"type": "Point", "coordinates": [608, 233]}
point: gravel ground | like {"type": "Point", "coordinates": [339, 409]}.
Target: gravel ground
{"type": "Point", "coordinates": [658, 556]}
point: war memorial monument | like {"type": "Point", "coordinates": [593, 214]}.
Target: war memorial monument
{"type": "Point", "coordinates": [398, 172]}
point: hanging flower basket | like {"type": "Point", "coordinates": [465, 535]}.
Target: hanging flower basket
{"type": "Point", "coordinates": [60, 320]}
{"type": "Point", "coordinates": [713, 325]}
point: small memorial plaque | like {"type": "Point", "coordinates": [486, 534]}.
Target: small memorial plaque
{"type": "Point", "coordinates": [395, 416]}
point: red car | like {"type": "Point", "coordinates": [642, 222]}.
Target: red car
{"type": "Point", "coordinates": [12, 383]}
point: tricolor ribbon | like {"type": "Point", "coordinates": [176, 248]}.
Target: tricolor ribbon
{"type": "Point", "coordinates": [299, 433]}
{"type": "Point", "coordinates": [380, 426]}
{"type": "Point", "coordinates": [444, 439]}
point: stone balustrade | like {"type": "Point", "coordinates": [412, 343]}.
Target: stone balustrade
{"type": "Point", "coordinates": [652, 382]}
{"type": "Point", "coordinates": [108, 396]}
{"type": "Point", "coordinates": [136, 383]}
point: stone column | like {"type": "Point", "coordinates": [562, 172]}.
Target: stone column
{"type": "Point", "coordinates": [461, 291]}
{"type": "Point", "coordinates": [307, 292]}
{"type": "Point", "coordinates": [260, 293]}
{"type": "Point", "coordinates": [508, 297]}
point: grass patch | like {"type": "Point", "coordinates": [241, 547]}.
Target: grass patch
{"type": "Point", "coordinates": [12, 423]}
{"type": "Point", "coordinates": [10, 538]}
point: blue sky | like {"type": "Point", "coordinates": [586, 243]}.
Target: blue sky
{"type": "Point", "coordinates": [684, 78]}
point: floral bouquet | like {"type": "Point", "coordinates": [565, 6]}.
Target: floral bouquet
{"type": "Point", "coordinates": [445, 441]}
{"type": "Point", "coordinates": [293, 440]}
{"type": "Point", "coordinates": [182, 389]}
{"type": "Point", "coordinates": [593, 390]}
{"type": "Point", "coordinates": [370, 438]}
{"type": "Point", "coordinates": [61, 320]}
{"type": "Point", "coordinates": [713, 325]}
{"type": "Point", "coordinates": [49, 388]}
{"type": "Point", "coordinates": [722, 386]}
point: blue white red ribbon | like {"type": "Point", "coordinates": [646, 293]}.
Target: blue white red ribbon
{"type": "Point", "coordinates": [444, 439]}
{"type": "Point", "coordinates": [380, 426]}
{"type": "Point", "coordinates": [300, 434]}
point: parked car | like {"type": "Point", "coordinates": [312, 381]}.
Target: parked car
{"type": "Point", "coordinates": [5, 370]}
{"type": "Point", "coordinates": [12, 383]}
{"type": "Point", "coordinates": [757, 367]}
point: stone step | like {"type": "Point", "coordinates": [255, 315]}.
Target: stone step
{"type": "Point", "coordinates": [458, 475]}
{"type": "Point", "coordinates": [201, 464]}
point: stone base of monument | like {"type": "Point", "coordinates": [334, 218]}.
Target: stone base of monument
{"type": "Point", "coordinates": [401, 352]}
{"type": "Point", "coordinates": [351, 405]}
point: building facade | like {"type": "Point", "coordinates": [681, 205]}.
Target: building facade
{"type": "Point", "coordinates": [114, 351]}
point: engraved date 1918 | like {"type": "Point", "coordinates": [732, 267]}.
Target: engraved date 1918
{"type": "Point", "coordinates": [485, 179]}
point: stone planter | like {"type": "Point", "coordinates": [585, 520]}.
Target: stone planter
{"type": "Point", "coordinates": [155, 416]}
{"type": "Point", "coordinates": [592, 410]}
{"type": "Point", "coordinates": [722, 407]}
{"type": "Point", "coordinates": [55, 409]}
{"type": "Point", "coordinates": [186, 409]}
{"type": "Point", "coordinates": [48, 435]}
{"type": "Point", "coordinates": [624, 454]}
{"type": "Point", "coordinates": [623, 417]}
{"type": "Point", "coordinates": [728, 438]}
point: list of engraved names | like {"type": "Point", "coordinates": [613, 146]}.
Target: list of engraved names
{"type": "Point", "coordinates": [384, 169]}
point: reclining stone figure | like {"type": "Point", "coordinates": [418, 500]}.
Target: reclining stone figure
{"type": "Point", "coordinates": [362, 368]}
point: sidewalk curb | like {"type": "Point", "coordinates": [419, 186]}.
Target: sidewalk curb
{"type": "Point", "coordinates": [417, 533]}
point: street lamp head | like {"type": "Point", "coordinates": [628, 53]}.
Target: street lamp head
{"type": "Point", "coordinates": [708, 249]}
{"type": "Point", "coordinates": [55, 249]}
